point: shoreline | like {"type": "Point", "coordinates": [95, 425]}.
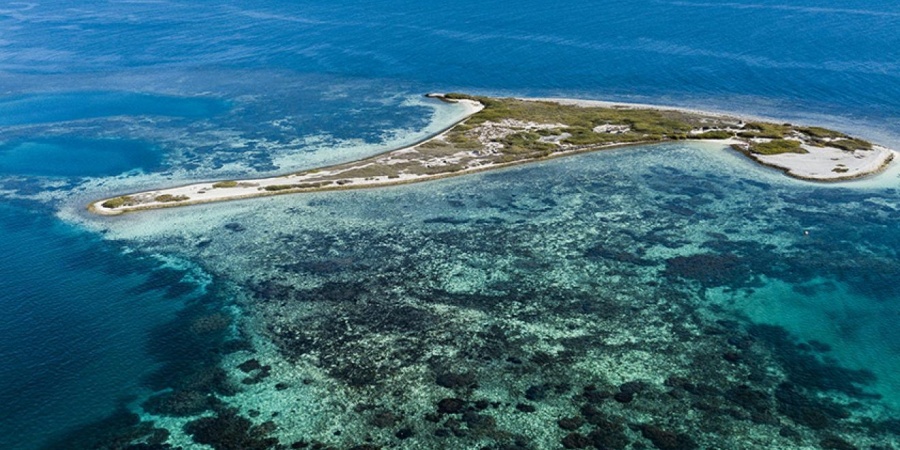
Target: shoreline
{"type": "Point", "coordinates": [93, 206]}
{"type": "Point", "coordinates": [433, 157]}
{"type": "Point", "coordinates": [362, 185]}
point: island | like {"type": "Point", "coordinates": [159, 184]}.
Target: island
{"type": "Point", "coordinates": [500, 132]}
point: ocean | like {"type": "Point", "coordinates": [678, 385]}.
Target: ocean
{"type": "Point", "coordinates": [667, 296]}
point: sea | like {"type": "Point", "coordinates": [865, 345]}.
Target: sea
{"type": "Point", "coordinates": [670, 296]}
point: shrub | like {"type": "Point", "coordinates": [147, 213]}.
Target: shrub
{"type": "Point", "coordinates": [714, 134]}
{"type": "Point", "coordinates": [850, 144]}
{"type": "Point", "coordinates": [436, 170]}
{"type": "Point", "coordinates": [458, 96]}
{"type": "Point", "coordinates": [312, 185]}
{"type": "Point", "coordinates": [118, 202]}
{"type": "Point", "coordinates": [764, 130]}
{"type": "Point", "coordinates": [434, 143]}
{"type": "Point", "coordinates": [549, 132]}
{"type": "Point", "coordinates": [776, 146]}
{"type": "Point", "coordinates": [225, 184]}
{"type": "Point", "coordinates": [166, 198]}
{"type": "Point", "coordinates": [280, 187]}
{"type": "Point", "coordinates": [584, 136]}
{"type": "Point", "coordinates": [461, 140]}
{"type": "Point", "coordinates": [821, 133]}
{"type": "Point", "coordinates": [525, 142]}
{"type": "Point", "coordinates": [370, 171]}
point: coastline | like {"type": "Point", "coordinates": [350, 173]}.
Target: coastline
{"type": "Point", "coordinates": [389, 168]}
{"type": "Point", "coordinates": [95, 207]}
{"type": "Point", "coordinates": [791, 164]}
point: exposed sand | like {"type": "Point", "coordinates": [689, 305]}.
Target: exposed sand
{"type": "Point", "coordinates": [830, 164]}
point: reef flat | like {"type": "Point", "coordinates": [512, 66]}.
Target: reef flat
{"type": "Point", "coordinates": [616, 300]}
{"type": "Point", "coordinates": [500, 132]}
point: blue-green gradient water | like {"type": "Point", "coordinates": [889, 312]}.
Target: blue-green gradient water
{"type": "Point", "coordinates": [520, 279]}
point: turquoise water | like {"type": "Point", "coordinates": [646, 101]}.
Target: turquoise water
{"type": "Point", "coordinates": [678, 277]}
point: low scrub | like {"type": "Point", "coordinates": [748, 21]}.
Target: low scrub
{"type": "Point", "coordinates": [462, 141]}
{"type": "Point", "coordinates": [167, 198]}
{"type": "Point", "coordinates": [821, 133]}
{"type": "Point", "coordinates": [436, 170]}
{"type": "Point", "coordinates": [434, 143]}
{"type": "Point", "coordinates": [280, 187]}
{"type": "Point", "coordinates": [119, 202]}
{"type": "Point", "coordinates": [372, 171]}
{"type": "Point", "coordinates": [776, 147]}
{"type": "Point", "coordinates": [525, 142]}
{"type": "Point", "coordinates": [850, 144]}
{"type": "Point", "coordinates": [764, 130]}
{"type": "Point", "coordinates": [585, 136]}
{"type": "Point", "coordinates": [714, 134]}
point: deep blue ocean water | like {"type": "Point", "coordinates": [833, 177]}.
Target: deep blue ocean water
{"type": "Point", "coordinates": [99, 97]}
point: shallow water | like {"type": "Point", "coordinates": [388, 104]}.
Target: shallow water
{"type": "Point", "coordinates": [637, 265]}
{"type": "Point", "coordinates": [683, 267]}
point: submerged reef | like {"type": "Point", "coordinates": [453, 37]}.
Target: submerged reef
{"type": "Point", "coordinates": [567, 305]}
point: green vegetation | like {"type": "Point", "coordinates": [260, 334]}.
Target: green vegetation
{"type": "Point", "coordinates": [714, 134]}
{"type": "Point", "coordinates": [280, 187]}
{"type": "Point", "coordinates": [459, 96]}
{"type": "Point", "coordinates": [436, 170]}
{"type": "Point", "coordinates": [168, 198]}
{"type": "Point", "coordinates": [644, 124]}
{"type": "Point", "coordinates": [549, 132]}
{"type": "Point", "coordinates": [586, 136]}
{"type": "Point", "coordinates": [438, 148]}
{"type": "Point", "coordinates": [776, 147]}
{"type": "Point", "coordinates": [525, 142]}
{"type": "Point", "coordinates": [459, 139]}
{"type": "Point", "coordinates": [764, 130]}
{"type": "Point", "coordinates": [287, 187]}
{"type": "Point", "coordinates": [434, 143]}
{"type": "Point", "coordinates": [824, 137]}
{"type": "Point", "coordinates": [125, 200]}
{"type": "Point", "coordinates": [225, 184]}
{"type": "Point", "coordinates": [850, 144]}
{"type": "Point", "coordinates": [313, 185]}
{"type": "Point", "coordinates": [374, 170]}
{"type": "Point", "coordinates": [821, 133]}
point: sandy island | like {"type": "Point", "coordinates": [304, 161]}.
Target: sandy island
{"type": "Point", "coordinates": [498, 133]}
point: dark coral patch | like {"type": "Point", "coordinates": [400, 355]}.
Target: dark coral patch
{"type": "Point", "coordinates": [229, 431]}
{"type": "Point", "coordinates": [709, 269]}
{"type": "Point", "coordinates": [667, 440]}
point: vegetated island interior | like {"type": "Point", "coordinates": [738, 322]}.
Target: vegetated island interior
{"type": "Point", "coordinates": [498, 132]}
